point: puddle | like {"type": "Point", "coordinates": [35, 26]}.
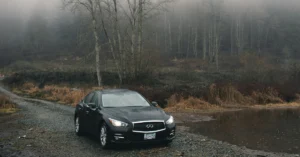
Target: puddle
{"type": "Point", "coordinates": [268, 130]}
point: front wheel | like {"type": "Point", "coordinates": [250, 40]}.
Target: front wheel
{"type": "Point", "coordinates": [78, 129]}
{"type": "Point", "coordinates": [104, 136]}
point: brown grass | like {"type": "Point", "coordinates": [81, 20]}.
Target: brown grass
{"type": "Point", "coordinates": [277, 106]}
{"type": "Point", "coordinates": [6, 105]}
{"type": "Point", "coordinates": [226, 95]}
{"type": "Point", "coordinates": [178, 103]}
{"type": "Point", "coordinates": [267, 96]}
{"type": "Point", "coordinates": [217, 96]}
{"type": "Point", "coordinates": [229, 95]}
{"type": "Point", "coordinates": [64, 95]}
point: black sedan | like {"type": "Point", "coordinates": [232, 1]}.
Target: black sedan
{"type": "Point", "coordinates": [123, 116]}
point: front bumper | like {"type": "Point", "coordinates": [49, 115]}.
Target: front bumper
{"type": "Point", "coordinates": [121, 136]}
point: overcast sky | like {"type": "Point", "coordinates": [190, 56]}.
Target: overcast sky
{"type": "Point", "coordinates": [25, 8]}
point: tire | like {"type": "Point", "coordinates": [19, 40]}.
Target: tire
{"type": "Point", "coordinates": [78, 128]}
{"type": "Point", "coordinates": [103, 132]}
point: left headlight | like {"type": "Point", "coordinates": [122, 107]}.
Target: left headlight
{"type": "Point", "coordinates": [170, 120]}
{"type": "Point", "coordinates": [117, 123]}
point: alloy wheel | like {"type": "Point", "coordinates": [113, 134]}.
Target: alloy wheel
{"type": "Point", "coordinates": [103, 136]}
{"type": "Point", "coordinates": [77, 125]}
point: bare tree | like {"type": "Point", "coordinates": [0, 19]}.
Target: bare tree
{"type": "Point", "coordinates": [170, 37]}
{"type": "Point", "coordinates": [139, 12]}
{"type": "Point", "coordinates": [91, 7]}
{"type": "Point", "coordinates": [196, 42]}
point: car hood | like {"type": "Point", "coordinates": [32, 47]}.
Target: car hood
{"type": "Point", "coordinates": [133, 114]}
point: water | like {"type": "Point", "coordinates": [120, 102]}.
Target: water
{"type": "Point", "coordinates": [268, 130]}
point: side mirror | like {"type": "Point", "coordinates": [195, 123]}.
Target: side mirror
{"type": "Point", "coordinates": [92, 105]}
{"type": "Point", "coordinates": [154, 103]}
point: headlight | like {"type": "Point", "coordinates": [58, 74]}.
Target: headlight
{"type": "Point", "coordinates": [117, 123]}
{"type": "Point", "coordinates": [170, 120]}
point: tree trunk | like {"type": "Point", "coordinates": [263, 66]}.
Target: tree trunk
{"type": "Point", "coordinates": [97, 50]}
{"type": "Point", "coordinates": [165, 33]}
{"type": "Point", "coordinates": [156, 40]}
{"type": "Point", "coordinates": [133, 36]}
{"type": "Point", "coordinates": [231, 36]}
{"type": "Point", "coordinates": [170, 37]}
{"type": "Point", "coordinates": [121, 53]}
{"type": "Point", "coordinates": [179, 38]}
{"type": "Point", "coordinates": [196, 43]}
{"type": "Point", "coordinates": [140, 35]}
{"type": "Point", "coordinates": [188, 42]}
{"type": "Point", "coordinates": [204, 42]}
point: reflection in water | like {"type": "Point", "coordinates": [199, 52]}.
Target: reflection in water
{"type": "Point", "coordinates": [269, 130]}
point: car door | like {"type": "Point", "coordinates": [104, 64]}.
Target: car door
{"type": "Point", "coordinates": [85, 116]}
{"type": "Point", "coordinates": [93, 116]}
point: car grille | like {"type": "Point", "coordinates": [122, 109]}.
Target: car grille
{"type": "Point", "coordinates": [149, 126]}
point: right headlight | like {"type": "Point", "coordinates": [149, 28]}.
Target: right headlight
{"type": "Point", "coordinates": [117, 123]}
{"type": "Point", "coordinates": [170, 120]}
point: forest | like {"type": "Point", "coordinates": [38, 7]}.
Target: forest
{"type": "Point", "coordinates": [186, 44]}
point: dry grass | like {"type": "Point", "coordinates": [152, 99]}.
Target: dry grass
{"type": "Point", "coordinates": [267, 96]}
{"type": "Point", "coordinates": [229, 95]}
{"type": "Point", "coordinates": [6, 106]}
{"type": "Point", "coordinates": [226, 95]}
{"type": "Point", "coordinates": [219, 97]}
{"type": "Point", "coordinates": [64, 95]}
{"type": "Point", "coordinates": [178, 103]}
{"type": "Point", "coordinates": [5, 102]}
{"type": "Point", "coordinates": [277, 106]}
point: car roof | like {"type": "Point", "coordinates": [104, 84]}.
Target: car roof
{"type": "Point", "coordinates": [112, 91]}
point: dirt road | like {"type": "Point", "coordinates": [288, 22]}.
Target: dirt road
{"type": "Point", "coordinates": [43, 128]}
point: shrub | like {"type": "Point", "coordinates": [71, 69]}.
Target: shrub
{"type": "Point", "coordinates": [178, 103]}
{"type": "Point", "coordinates": [267, 96]}
{"type": "Point", "coordinates": [6, 103]}
{"type": "Point", "coordinates": [226, 94]}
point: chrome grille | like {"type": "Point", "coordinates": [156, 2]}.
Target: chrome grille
{"type": "Point", "coordinates": [148, 126]}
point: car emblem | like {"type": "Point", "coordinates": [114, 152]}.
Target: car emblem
{"type": "Point", "coordinates": [149, 126]}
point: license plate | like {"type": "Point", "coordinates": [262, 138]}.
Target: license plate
{"type": "Point", "coordinates": [149, 136]}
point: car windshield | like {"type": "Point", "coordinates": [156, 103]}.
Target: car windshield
{"type": "Point", "coordinates": [129, 99]}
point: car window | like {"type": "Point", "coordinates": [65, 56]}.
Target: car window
{"type": "Point", "coordinates": [94, 99]}
{"type": "Point", "coordinates": [128, 99]}
{"type": "Point", "coordinates": [88, 98]}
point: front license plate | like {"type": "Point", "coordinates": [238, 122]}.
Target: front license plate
{"type": "Point", "coordinates": [149, 136]}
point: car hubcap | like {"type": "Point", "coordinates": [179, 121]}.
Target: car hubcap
{"type": "Point", "coordinates": [77, 124]}
{"type": "Point", "coordinates": [103, 136]}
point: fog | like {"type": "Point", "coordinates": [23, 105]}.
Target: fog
{"type": "Point", "coordinates": [38, 27]}
{"type": "Point", "coordinates": [24, 9]}
{"type": "Point", "coordinates": [20, 11]}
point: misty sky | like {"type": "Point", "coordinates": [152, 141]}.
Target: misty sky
{"type": "Point", "coordinates": [20, 12]}
{"type": "Point", "coordinates": [24, 9]}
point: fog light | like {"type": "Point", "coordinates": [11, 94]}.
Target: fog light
{"type": "Point", "coordinates": [119, 137]}
{"type": "Point", "coordinates": [172, 133]}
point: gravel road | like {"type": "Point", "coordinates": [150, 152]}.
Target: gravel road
{"type": "Point", "coordinates": [43, 128]}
